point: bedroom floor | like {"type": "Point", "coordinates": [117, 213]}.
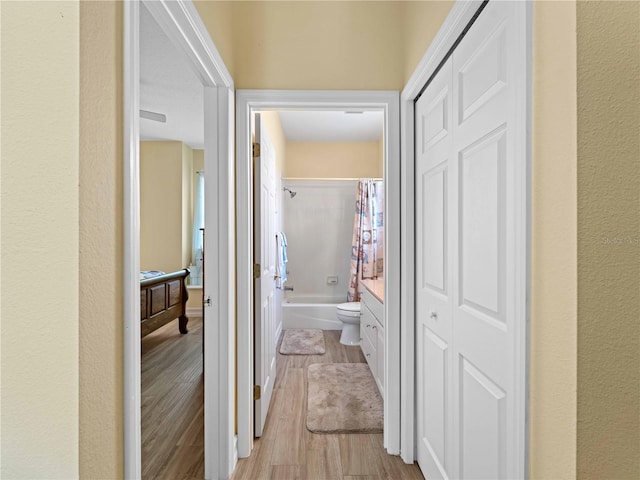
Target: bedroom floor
{"type": "Point", "coordinates": [172, 403]}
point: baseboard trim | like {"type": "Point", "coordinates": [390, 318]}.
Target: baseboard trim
{"type": "Point", "coordinates": [194, 311]}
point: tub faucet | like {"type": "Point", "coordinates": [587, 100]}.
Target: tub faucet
{"type": "Point", "coordinates": [288, 289]}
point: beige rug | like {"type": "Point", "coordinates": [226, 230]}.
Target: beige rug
{"type": "Point", "coordinates": [302, 341]}
{"type": "Point", "coordinates": [343, 398]}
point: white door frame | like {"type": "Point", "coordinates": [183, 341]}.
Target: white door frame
{"type": "Point", "coordinates": [179, 19]}
{"type": "Point", "coordinates": [251, 100]}
{"type": "Point", "coordinates": [456, 23]}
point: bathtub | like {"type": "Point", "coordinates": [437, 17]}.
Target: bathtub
{"type": "Point", "coordinates": [307, 311]}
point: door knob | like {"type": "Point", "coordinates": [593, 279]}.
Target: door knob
{"type": "Point", "coordinates": [433, 315]}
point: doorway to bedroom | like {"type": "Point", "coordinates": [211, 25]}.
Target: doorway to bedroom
{"type": "Point", "coordinates": [182, 25]}
{"type": "Point", "coordinates": [171, 249]}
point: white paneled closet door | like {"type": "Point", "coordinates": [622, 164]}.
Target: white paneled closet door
{"type": "Point", "coordinates": [471, 255]}
{"type": "Point", "coordinates": [434, 275]}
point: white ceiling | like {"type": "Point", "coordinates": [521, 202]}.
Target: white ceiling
{"type": "Point", "coordinates": [169, 86]}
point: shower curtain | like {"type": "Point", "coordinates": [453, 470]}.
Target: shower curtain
{"type": "Point", "coordinates": [368, 236]}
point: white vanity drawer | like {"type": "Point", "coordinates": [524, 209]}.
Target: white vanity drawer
{"type": "Point", "coordinates": [375, 305]}
{"type": "Point", "coordinates": [367, 324]}
{"type": "Point", "coordinates": [370, 355]}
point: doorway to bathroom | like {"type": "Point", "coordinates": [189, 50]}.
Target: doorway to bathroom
{"type": "Point", "coordinates": [316, 180]}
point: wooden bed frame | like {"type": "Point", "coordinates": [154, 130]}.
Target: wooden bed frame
{"type": "Point", "coordinates": [162, 299]}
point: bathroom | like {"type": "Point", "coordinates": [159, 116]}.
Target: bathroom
{"type": "Point", "coordinates": [321, 156]}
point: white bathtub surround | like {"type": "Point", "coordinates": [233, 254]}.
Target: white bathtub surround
{"type": "Point", "coordinates": [311, 312]}
{"type": "Point", "coordinates": [318, 223]}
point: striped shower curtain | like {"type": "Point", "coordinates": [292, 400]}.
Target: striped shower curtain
{"type": "Point", "coordinates": [367, 248]}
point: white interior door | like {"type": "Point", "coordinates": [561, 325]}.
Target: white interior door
{"type": "Point", "coordinates": [435, 180]}
{"type": "Point", "coordinates": [471, 278]}
{"type": "Point", "coordinates": [265, 266]}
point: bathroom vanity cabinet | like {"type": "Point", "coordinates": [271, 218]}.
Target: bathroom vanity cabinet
{"type": "Point", "coordinates": [372, 328]}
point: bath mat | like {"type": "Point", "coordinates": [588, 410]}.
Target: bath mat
{"type": "Point", "coordinates": [302, 341]}
{"type": "Point", "coordinates": [343, 398]}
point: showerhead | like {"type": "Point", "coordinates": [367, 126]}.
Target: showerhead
{"type": "Point", "coordinates": [291, 192]}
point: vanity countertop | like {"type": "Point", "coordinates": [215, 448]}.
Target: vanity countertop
{"type": "Point", "coordinates": [376, 287]}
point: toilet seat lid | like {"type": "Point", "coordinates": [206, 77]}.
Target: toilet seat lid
{"type": "Point", "coordinates": [349, 306]}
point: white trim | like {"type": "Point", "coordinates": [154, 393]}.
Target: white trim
{"type": "Point", "coordinates": [225, 333]}
{"type": "Point", "coordinates": [407, 292]}
{"type": "Point", "coordinates": [219, 284]}
{"type": "Point", "coordinates": [460, 15]}
{"type": "Point", "coordinates": [194, 311]}
{"type": "Point", "coordinates": [248, 100]}
{"type": "Point", "coordinates": [131, 267]}
{"type": "Point", "coordinates": [523, 255]}
{"type": "Point", "coordinates": [180, 21]}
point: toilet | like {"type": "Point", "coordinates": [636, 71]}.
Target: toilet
{"type": "Point", "coordinates": [349, 315]}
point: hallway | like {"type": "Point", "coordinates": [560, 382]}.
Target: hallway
{"type": "Point", "coordinates": [289, 451]}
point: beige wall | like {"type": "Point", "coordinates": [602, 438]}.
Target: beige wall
{"type": "Point", "coordinates": [314, 45]}
{"type": "Point", "coordinates": [40, 240]}
{"type": "Point", "coordinates": [421, 21]}
{"type": "Point", "coordinates": [271, 121]}
{"type": "Point", "coordinates": [286, 45]}
{"type": "Point", "coordinates": [165, 199]}
{"type": "Point", "coordinates": [218, 17]}
{"type": "Point", "coordinates": [553, 250]}
{"type": "Point", "coordinates": [101, 246]}
{"type": "Point", "coordinates": [333, 160]}
{"type": "Point", "coordinates": [608, 80]}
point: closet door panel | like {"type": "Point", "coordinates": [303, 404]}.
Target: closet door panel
{"type": "Point", "coordinates": [434, 178]}
{"type": "Point", "coordinates": [470, 231]}
{"type": "Point", "coordinates": [484, 240]}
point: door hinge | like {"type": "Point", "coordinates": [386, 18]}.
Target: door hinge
{"type": "Point", "coordinates": [256, 270]}
{"type": "Point", "coordinates": [257, 393]}
{"type": "Point", "coordinates": [256, 149]}
{"type": "Point", "coordinates": [207, 301]}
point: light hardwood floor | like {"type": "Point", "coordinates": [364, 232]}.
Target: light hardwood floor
{"type": "Point", "coordinates": [172, 403]}
{"type": "Point", "coordinates": [172, 419]}
{"type": "Point", "coordinates": [289, 451]}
